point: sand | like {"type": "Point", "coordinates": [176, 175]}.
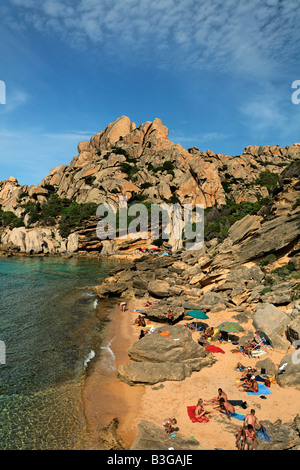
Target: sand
{"type": "Point", "coordinates": [106, 397]}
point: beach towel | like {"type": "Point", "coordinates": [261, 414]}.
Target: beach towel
{"type": "Point", "coordinates": [165, 333]}
{"type": "Point", "coordinates": [263, 435]}
{"type": "Point", "coordinates": [191, 413]}
{"type": "Point", "coordinates": [235, 415]}
{"type": "Point", "coordinates": [262, 390]}
{"type": "Point", "coordinates": [215, 349]}
{"type": "Point", "coordinates": [258, 352]}
{"type": "Point", "coordinates": [241, 403]}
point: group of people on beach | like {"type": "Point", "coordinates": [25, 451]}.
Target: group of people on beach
{"type": "Point", "coordinates": [246, 436]}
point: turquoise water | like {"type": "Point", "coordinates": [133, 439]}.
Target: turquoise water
{"type": "Point", "coordinates": [51, 325]}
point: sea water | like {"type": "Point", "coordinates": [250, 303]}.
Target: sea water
{"type": "Point", "coordinates": [52, 326]}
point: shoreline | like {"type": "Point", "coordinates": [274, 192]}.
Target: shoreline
{"type": "Point", "coordinates": [104, 396]}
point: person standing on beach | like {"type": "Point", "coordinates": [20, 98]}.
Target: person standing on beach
{"type": "Point", "coordinates": [251, 419]}
{"type": "Point", "coordinates": [250, 438]}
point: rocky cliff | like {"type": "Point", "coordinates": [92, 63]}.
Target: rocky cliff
{"type": "Point", "coordinates": [142, 164]}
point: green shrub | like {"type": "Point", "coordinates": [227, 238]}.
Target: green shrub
{"type": "Point", "coordinates": [268, 179]}
{"type": "Point", "coordinates": [265, 290]}
{"type": "Point", "coordinates": [218, 220]}
{"type": "Point", "coordinates": [130, 170]}
{"type": "Point", "coordinates": [267, 260]}
{"type": "Point", "coordinates": [9, 219]}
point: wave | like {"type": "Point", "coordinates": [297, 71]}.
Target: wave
{"type": "Point", "coordinates": [89, 357]}
{"type": "Point", "coordinates": [109, 359]}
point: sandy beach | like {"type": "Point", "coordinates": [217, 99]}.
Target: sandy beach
{"type": "Point", "coordinates": [106, 397]}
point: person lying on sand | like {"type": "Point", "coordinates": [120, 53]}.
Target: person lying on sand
{"type": "Point", "coordinates": [149, 304]}
{"type": "Point", "coordinates": [227, 407]}
{"type": "Point", "coordinates": [248, 350]}
{"type": "Point", "coordinates": [216, 400]}
{"type": "Point", "coordinates": [250, 438]}
{"type": "Point", "coordinates": [208, 333]}
{"type": "Point", "coordinates": [252, 386]}
{"type": "Point", "coordinates": [199, 410]}
{"type": "Point", "coordinates": [168, 424]}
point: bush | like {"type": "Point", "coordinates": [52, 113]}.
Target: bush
{"type": "Point", "coordinates": [9, 219]}
{"type": "Point", "coordinates": [268, 179]}
{"type": "Point", "coordinates": [267, 260]}
{"type": "Point", "coordinates": [130, 170]}
{"type": "Point", "coordinates": [218, 220]}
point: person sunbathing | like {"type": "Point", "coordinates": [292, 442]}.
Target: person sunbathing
{"type": "Point", "coordinates": [168, 424]}
{"type": "Point", "coordinates": [216, 400]}
{"type": "Point", "coordinates": [149, 304]}
{"type": "Point", "coordinates": [208, 333]}
{"type": "Point", "coordinates": [252, 386]}
{"type": "Point", "coordinates": [227, 407]}
{"type": "Point", "coordinates": [140, 321]}
{"type": "Point", "coordinates": [248, 349]}
{"type": "Point", "coordinates": [199, 410]}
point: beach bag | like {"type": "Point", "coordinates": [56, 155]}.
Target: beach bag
{"type": "Point", "coordinates": [267, 383]}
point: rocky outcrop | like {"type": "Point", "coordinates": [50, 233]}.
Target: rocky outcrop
{"type": "Point", "coordinates": [165, 354]}
{"type": "Point", "coordinates": [152, 437]}
{"type": "Point", "coordinates": [288, 373]}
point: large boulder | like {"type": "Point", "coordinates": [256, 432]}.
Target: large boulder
{"type": "Point", "coordinates": [284, 436]}
{"type": "Point", "coordinates": [159, 289]}
{"type": "Point", "coordinates": [281, 294]}
{"type": "Point", "coordinates": [288, 374]}
{"type": "Point", "coordinates": [152, 437]}
{"type": "Point", "coordinates": [293, 330]}
{"type": "Point", "coordinates": [179, 346]}
{"type": "Point", "coordinates": [270, 319]}
{"type": "Point", "coordinates": [141, 373]}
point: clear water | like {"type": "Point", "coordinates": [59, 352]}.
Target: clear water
{"type": "Point", "coordinates": [51, 325]}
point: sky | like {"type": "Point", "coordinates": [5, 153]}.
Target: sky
{"type": "Point", "coordinates": [219, 75]}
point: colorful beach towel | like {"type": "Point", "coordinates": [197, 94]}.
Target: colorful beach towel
{"type": "Point", "coordinates": [262, 390]}
{"type": "Point", "coordinates": [165, 333]}
{"type": "Point", "coordinates": [191, 413]}
{"type": "Point", "coordinates": [215, 349]}
{"type": "Point", "coordinates": [263, 435]}
{"type": "Point", "coordinates": [235, 415]}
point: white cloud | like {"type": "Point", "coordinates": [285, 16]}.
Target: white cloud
{"type": "Point", "coordinates": [248, 37]}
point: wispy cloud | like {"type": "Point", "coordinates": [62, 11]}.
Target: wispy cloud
{"type": "Point", "coordinates": [254, 38]}
{"type": "Point", "coordinates": [13, 100]}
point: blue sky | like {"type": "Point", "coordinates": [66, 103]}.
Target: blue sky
{"type": "Point", "coordinates": [218, 73]}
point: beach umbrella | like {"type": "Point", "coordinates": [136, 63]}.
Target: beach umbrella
{"type": "Point", "coordinates": [263, 338]}
{"type": "Point", "coordinates": [197, 314]}
{"type": "Point", "coordinates": [230, 327]}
